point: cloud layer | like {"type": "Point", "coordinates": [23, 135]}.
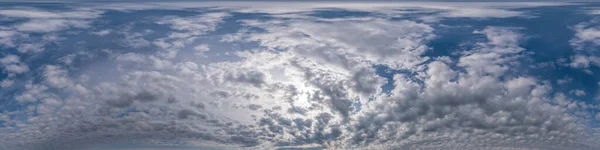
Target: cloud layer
{"type": "Point", "coordinates": [258, 75]}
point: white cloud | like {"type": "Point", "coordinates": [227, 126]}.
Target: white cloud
{"type": "Point", "coordinates": [46, 21]}
{"type": "Point", "coordinates": [6, 83]}
{"type": "Point", "coordinates": [32, 93]}
{"type": "Point", "coordinates": [12, 64]}
{"type": "Point", "coordinates": [201, 49]}
{"type": "Point", "coordinates": [452, 105]}
{"type": "Point", "coordinates": [496, 56]}
{"type": "Point", "coordinates": [131, 57]}
{"type": "Point", "coordinates": [592, 10]}
{"type": "Point", "coordinates": [585, 43]}
{"type": "Point", "coordinates": [578, 92]}
{"type": "Point", "coordinates": [7, 37]}
{"type": "Point", "coordinates": [56, 76]}
{"type": "Point", "coordinates": [41, 14]}
{"type": "Point", "coordinates": [398, 44]}
{"type": "Point", "coordinates": [102, 32]}
{"type": "Point", "coordinates": [482, 13]}
{"type": "Point", "coordinates": [186, 31]}
{"type": "Point", "coordinates": [455, 9]}
{"type": "Point", "coordinates": [49, 25]}
{"type": "Point", "coordinates": [202, 23]}
{"type": "Point", "coordinates": [586, 33]}
{"type": "Point", "coordinates": [37, 47]}
{"type": "Point", "coordinates": [564, 80]}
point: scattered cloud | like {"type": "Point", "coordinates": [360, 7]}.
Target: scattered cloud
{"type": "Point", "coordinates": [586, 33]}
{"type": "Point", "coordinates": [13, 64]}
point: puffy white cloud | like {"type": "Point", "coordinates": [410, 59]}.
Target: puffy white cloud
{"type": "Point", "coordinates": [496, 56]}
{"type": "Point", "coordinates": [578, 92]}
{"type": "Point", "coordinates": [586, 33]}
{"type": "Point", "coordinates": [6, 83]}
{"type": "Point", "coordinates": [57, 77]}
{"type": "Point", "coordinates": [32, 93]}
{"type": "Point", "coordinates": [186, 31]}
{"type": "Point", "coordinates": [587, 38]}
{"type": "Point", "coordinates": [461, 107]}
{"type": "Point", "coordinates": [201, 49]}
{"type": "Point", "coordinates": [7, 37]}
{"type": "Point", "coordinates": [13, 64]}
{"type": "Point", "coordinates": [134, 39]}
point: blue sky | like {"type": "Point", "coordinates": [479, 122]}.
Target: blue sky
{"type": "Point", "coordinates": [299, 75]}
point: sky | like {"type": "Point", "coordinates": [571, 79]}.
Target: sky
{"type": "Point", "coordinates": [299, 75]}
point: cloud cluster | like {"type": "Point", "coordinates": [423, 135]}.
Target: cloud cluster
{"type": "Point", "coordinates": [30, 30]}
{"type": "Point", "coordinates": [474, 105]}
{"type": "Point", "coordinates": [585, 43]}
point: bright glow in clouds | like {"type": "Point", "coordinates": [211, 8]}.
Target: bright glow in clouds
{"type": "Point", "coordinates": [277, 75]}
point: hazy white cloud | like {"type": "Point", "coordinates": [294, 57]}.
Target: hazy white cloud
{"type": "Point", "coordinates": [455, 9]}
{"type": "Point", "coordinates": [48, 21]}
{"type": "Point", "coordinates": [42, 14]}
{"type": "Point", "coordinates": [37, 47]}
{"type": "Point", "coordinates": [102, 32]}
{"type": "Point", "coordinates": [49, 25]}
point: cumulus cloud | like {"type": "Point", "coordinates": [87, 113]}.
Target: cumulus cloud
{"type": "Point", "coordinates": [186, 30]}
{"type": "Point", "coordinates": [457, 103]}
{"type": "Point", "coordinates": [6, 83]}
{"type": "Point", "coordinates": [587, 38]}
{"type": "Point", "coordinates": [7, 37]}
{"type": "Point", "coordinates": [12, 64]}
{"type": "Point", "coordinates": [586, 33]}
{"type": "Point", "coordinates": [578, 92]}
{"type": "Point", "coordinates": [201, 49]}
